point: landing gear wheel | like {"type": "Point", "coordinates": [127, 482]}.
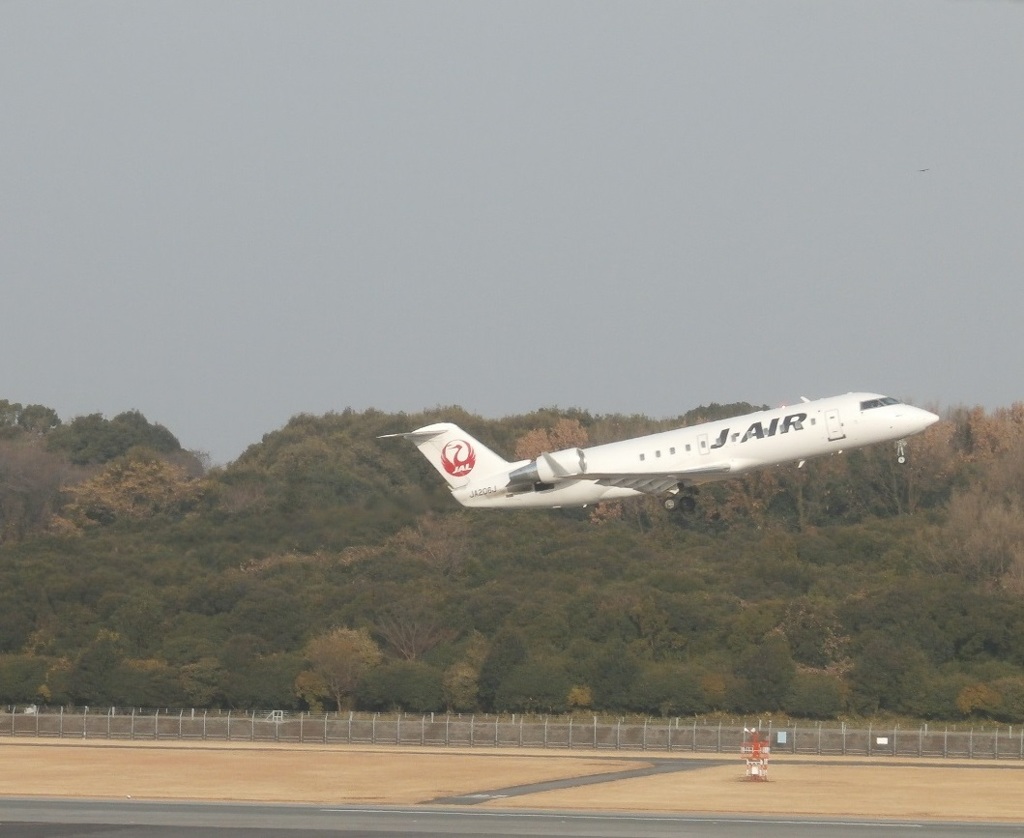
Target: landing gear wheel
{"type": "Point", "coordinates": [901, 451]}
{"type": "Point", "coordinates": [669, 503]}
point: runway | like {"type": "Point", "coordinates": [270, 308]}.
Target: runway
{"type": "Point", "coordinates": [60, 818]}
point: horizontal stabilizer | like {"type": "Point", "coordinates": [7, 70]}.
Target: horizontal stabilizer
{"type": "Point", "coordinates": [421, 434]}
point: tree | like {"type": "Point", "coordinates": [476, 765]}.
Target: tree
{"type": "Point", "coordinates": [202, 682]}
{"type": "Point", "coordinates": [815, 695]}
{"type": "Point", "coordinates": [131, 488]}
{"type": "Point", "coordinates": [96, 676]}
{"type": "Point", "coordinates": [461, 680]}
{"type": "Point", "coordinates": [888, 674]}
{"type": "Point", "coordinates": [21, 676]}
{"type": "Point", "coordinates": [342, 658]}
{"type": "Point", "coordinates": [33, 418]}
{"type": "Point", "coordinates": [30, 481]}
{"type": "Point", "coordinates": [411, 629]}
{"type": "Point", "coordinates": [767, 670]}
{"type": "Point", "coordinates": [566, 433]}
{"type": "Point", "coordinates": [442, 541]}
{"type": "Point", "coordinates": [613, 673]}
{"type": "Point", "coordinates": [508, 650]}
{"type": "Point", "coordinates": [986, 534]}
{"type": "Point", "coordinates": [536, 686]}
{"type": "Point", "coordinates": [667, 689]}
{"type": "Point", "coordinates": [93, 439]}
{"type": "Point", "coordinates": [405, 685]}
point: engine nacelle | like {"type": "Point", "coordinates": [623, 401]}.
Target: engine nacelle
{"type": "Point", "coordinates": [549, 468]}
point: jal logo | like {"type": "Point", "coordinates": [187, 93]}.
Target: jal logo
{"type": "Point", "coordinates": [458, 458]}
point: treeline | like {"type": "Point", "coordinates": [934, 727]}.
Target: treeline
{"type": "Point", "coordinates": [326, 568]}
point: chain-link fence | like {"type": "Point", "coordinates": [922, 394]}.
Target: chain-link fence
{"type": "Point", "coordinates": [556, 732]}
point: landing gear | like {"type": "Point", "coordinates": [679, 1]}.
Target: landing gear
{"type": "Point", "coordinates": [901, 451]}
{"type": "Point", "coordinates": [684, 500]}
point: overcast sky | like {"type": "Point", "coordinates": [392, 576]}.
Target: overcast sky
{"type": "Point", "coordinates": [226, 213]}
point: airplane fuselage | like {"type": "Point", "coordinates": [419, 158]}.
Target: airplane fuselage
{"type": "Point", "coordinates": [700, 453]}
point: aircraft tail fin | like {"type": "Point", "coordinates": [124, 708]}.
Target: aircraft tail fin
{"type": "Point", "coordinates": [455, 455]}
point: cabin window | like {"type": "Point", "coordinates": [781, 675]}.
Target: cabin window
{"type": "Point", "coordinates": [657, 453]}
{"type": "Point", "coordinates": [643, 457]}
{"type": "Point", "coordinates": [688, 446]}
{"type": "Point", "coordinates": [672, 450]}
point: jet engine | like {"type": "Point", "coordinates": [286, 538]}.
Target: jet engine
{"type": "Point", "coordinates": [548, 469]}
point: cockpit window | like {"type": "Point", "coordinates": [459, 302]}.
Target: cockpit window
{"type": "Point", "coordinates": [882, 402]}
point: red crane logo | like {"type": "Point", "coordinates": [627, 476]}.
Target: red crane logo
{"type": "Point", "coordinates": [458, 458]}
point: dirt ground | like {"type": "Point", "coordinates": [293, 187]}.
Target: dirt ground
{"type": "Point", "coordinates": [808, 786]}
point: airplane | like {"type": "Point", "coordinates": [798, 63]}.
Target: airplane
{"type": "Point", "coordinates": [663, 464]}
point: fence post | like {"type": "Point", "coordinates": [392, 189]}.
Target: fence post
{"type": "Point", "coordinates": [570, 733]}
{"type": "Point", "coordinates": [595, 731]}
{"type": "Point", "coordinates": [694, 746]}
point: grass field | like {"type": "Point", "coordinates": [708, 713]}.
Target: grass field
{"type": "Point", "coordinates": [881, 788]}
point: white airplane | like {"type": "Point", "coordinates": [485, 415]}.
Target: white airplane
{"type": "Point", "coordinates": [663, 464]}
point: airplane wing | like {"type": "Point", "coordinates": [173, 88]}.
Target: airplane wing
{"type": "Point", "coordinates": [656, 483]}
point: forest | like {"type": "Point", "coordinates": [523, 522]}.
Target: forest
{"type": "Point", "coordinates": [327, 569]}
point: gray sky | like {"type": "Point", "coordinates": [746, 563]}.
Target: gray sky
{"type": "Point", "coordinates": [226, 213]}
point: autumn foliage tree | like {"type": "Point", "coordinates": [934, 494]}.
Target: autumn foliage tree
{"type": "Point", "coordinates": [131, 488]}
{"type": "Point", "coordinates": [340, 659]}
{"type": "Point", "coordinates": [566, 433]}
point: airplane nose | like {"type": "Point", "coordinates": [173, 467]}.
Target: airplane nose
{"type": "Point", "coordinates": [917, 419]}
